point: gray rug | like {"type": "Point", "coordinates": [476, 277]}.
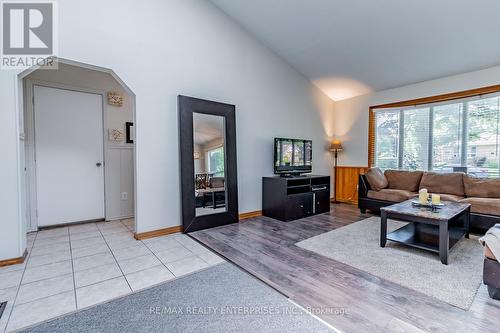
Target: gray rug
{"type": "Point", "coordinates": [219, 299]}
{"type": "Point", "coordinates": [358, 245]}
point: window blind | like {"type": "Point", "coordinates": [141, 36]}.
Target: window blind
{"type": "Point", "coordinates": [454, 135]}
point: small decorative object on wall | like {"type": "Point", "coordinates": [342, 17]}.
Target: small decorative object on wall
{"type": "Point", "coordinates": [115, 134]}
{"type": "Point", "coordinates": [115, 98]}
{"type": "Point", "coordinates": [130, 133]}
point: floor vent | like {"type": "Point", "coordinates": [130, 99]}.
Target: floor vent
{"type": "Point", "coordinates": [3, 305]}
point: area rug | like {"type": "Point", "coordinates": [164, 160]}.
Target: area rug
{"type": "Point", "coordinates": [219, 299]}
{"type": "Point", "coordinates": [358, 245]}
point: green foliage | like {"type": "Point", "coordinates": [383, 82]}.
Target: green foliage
{"type": "Point", "coordinates": [217, 161]}
{"type": "Point", "coordinates": [482, 136]}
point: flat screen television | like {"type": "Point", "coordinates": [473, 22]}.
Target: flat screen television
{"type": "Point", "coordinates": [292, 156]}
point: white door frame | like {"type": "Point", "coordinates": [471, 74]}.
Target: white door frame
{"type": "Point", "coordinates": [22, 105]}
{"type": "Point", "coordinates": [29, 124]}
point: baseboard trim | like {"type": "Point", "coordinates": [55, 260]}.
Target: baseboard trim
{"type": "Point", "coordinates": [14, 261]}
{"type": "Point", "coordinates": [248, 215]}
{"type": "Point", "coordinates": [116, 218]}
{"type": "Point", "coordinates": [54, 226]}
{"type": "Point", "coordinates": [157, 233]}
{"type": "Point", "coordinates": [173, 230]}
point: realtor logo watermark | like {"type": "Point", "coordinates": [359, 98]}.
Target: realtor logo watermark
{"type": "Point", "coordinates": [29, 34]}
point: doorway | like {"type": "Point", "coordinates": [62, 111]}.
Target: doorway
{"type": "Point", "coordinates": [69, 156]}
{"type": "Point", "coordinates": [79, 146]}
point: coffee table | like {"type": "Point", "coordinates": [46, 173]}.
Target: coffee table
{"type": "Point", "coordinates": [433, 230]}
{"type": "Point", "coordinates": [212, 192]}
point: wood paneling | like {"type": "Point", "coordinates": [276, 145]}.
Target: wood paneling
{"type": "Point", "coordinates": [14, 261]}
{"type": "Point", "coordinates": [119, 178]}
{"type": "Point", "coordinates": [248, 215]}
{"type": "Point", "coordinates": [157, 233]}
{"type": "Point", "coordinates": [419, 101]}
{"type": "Point", "coordinates": [347, 183]}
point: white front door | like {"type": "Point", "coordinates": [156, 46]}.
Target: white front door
{"type": "Point", "coordinates": [69, 156]}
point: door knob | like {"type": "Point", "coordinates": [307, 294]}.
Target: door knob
{"type": "Point", "coordinates": [98, 164]}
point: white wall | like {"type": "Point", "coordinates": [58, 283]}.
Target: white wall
{"type": "Point", "coordinates": [12, 242]}
{"type": "Point", "coordinates": [118, 155]}
{"type": "Point", "coordinates": [351, 115]}
{"type": "Point", "coordinates": [161, 49]}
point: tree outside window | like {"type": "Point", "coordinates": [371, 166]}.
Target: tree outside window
{"type": "Point", "coordinates": [457, 135]}
{"type": "Point", "coordinates": [216, 161]}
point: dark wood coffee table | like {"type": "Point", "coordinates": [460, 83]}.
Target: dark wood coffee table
{"type": "Point", "coordinates": [212, 193]}
{"type": "Point", "coordinates": [434, 230]}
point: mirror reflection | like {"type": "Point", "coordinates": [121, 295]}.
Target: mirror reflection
{"type": "Point", "coordinates": [209, 164]}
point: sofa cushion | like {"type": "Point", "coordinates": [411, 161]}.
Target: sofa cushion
{"type": "Point", "coordinates": [390, 195]}
{"type": "Point", "coordinates": [217, 182]}
{"type": "Point", "coordinates": [450, 197]}
{"type": "Point", "coordinates": [489, 206]}
{"type": "Point", "coordinates": [446, 183]}
{"type": "Point", "coordinates": [445, 197]}
{"type": "Point", "coordinates": [376, 179]}
{"type": "Point", "coordinates": [403, 180]}
{"type": "Point", "coordinates": [482, 188]}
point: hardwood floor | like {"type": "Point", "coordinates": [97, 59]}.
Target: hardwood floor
{"type": "Point", "coordinates": [265, 248]}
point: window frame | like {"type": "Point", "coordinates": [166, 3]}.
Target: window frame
{"type": "Point", "coordinates": [209, 166]}
{"type": "Point", "coordinates": [430, 102]}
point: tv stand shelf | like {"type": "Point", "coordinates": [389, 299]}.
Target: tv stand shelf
{"type": "Point", "coordinates": [291, 198]}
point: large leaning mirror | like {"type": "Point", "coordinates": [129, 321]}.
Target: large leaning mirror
{"type": "Point", "coordinates": [208, 163]}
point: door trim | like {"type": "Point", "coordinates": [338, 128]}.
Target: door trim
{"type": "Point", "coordinates": [30, 144]}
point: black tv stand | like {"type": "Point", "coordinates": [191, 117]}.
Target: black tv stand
{"type": "Point", "coordinates": [291, 198]}
{"type": "Point", "coordinates": [292, 175]}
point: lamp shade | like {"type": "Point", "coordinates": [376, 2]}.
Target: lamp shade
{"type": "Point", "coordinates": [335, 145]}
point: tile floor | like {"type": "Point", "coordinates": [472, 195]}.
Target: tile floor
{"type": "Point", "coordinates": [71, 268]}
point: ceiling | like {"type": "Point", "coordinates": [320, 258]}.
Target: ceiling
{"type": "Point", "coordinates": [353, 47]}
{"type": "Point", "coordinates": [207, 128]}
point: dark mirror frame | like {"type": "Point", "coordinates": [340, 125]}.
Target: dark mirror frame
{"type": "Point", "coordinates": [187, 106]}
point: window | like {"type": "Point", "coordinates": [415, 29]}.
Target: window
{"type": "Point", "coordinates": [457, 135]}
{"type": "Point", "coordinates": [215, 158]}
{"type": "Point", "coordinates": [447, 137]}
{"type": "Point", "coordinates": [387, 145]}
{"type": "Point", "coordinates": [416, 139]}
{"type": "Point", "coordinates": [483, 135]}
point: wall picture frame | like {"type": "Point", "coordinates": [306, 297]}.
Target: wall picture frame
{"type": "Point", "coordinates": [115, 98]}
{"type": "Point", "coordinates": [115, 135]}
{"type": "Point", "coordinates": [129, 132]}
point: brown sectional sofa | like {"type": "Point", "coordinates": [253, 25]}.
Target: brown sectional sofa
{"type": "Point", "coordinates": [377, 189]}
{"type": "Point", "coordinates": [491, 268]}
{"type": "Point", "coordinates": [491, 274]}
